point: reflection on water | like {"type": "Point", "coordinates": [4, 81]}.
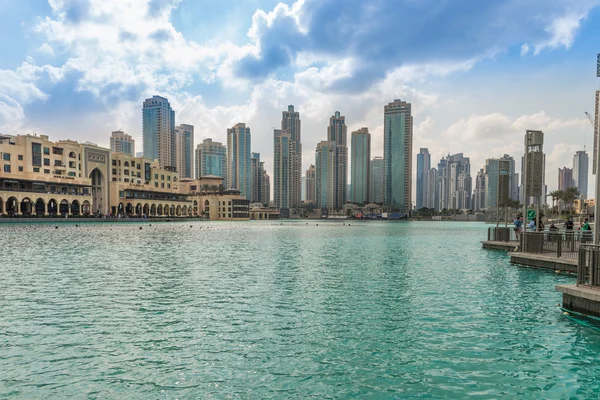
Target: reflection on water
{"type": "Point", "coordinates": [255, 310]}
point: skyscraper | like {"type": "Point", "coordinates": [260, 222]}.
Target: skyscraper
{"type": "Point", "coordinates": [433, 195]}
{"type": "Point", "coordinates": [184, 142]}
{"type": "Point", "coordinates": [479, 193]}
{"type": "Point", "coordinates": [290, 123]}
{"type": "Point", "coordinates": [580, 172]}
{"type": "Point", "coordinates": [120, 142]}
{"type": "Point", "coordinates": [565, 178]}
{"type": "Point", "coordinates": [158, 124]}
{"type": "Point", "coordinates": [257, 177]}
{"type": "Point", "coordinates": [376, 180]}
{"type": "Point", "coordinates": [455, 182]}
{"type": "Point", "coordinates": [266, 187]}
{"type": "Point", "coordinates": [311, 184]}
{"type": "Point", "coordinates": [238, 159]}
{"type": "Point", "coordinates": [211, 159]}
{"type": "Point", "coordinates": [397, 153]}
{"type": "Point", "coordinates": [283, 166]}
{"type": "Point", "coordinates": [337, 135]}
{"type": "Point", "coordinates": [423, 167]}
{"type": "Point", "coordinates": [325, 167]}
{"type": "Point", "coordinates": [361, 168]}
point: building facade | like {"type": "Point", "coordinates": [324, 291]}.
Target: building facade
{"type": "Point", "coordinates": [337, 136]}
{"type": "Point", "coordinates": [479, 192]}
{"type": "Point", "coordinates": [158, 125]}
{"type": "Point", "coordinates": [565, 178]}
{"type": "Point", "coordinates": [238, 159]}
{"type": "Point", "coordinates": [257, 172]}
{"type": "Point", "coordinates": [377, 180]}
{"type": "Point", "coordinates": [266, 187]}
{"type": "Point", "coordinates": [311, 184]}
{"type": "Point", "coordinates": [423, 167]}
{"type": "Point", "coordinates": [397, 155]}
{"type": "Point", "coordinates": [325, 175]}
{"type": "Point", "coordinates": [290, 123]}
{"type": "Point", "coordinates": [360, 171]}
{"type": "Point", "coordinates": [283, 165]}
{"type": "Point", "coordinates": [184, 142]}
{"type": "Point", "coordinates": [455, 182]}
{"type": "Point", "coordinates": [45, 178]}
{"type": "Point", "coordinates": [581, 172]}
{"type": "Point", "coordinates": [211, 159]}
{"type": "Point", "coordinates": [433, 195]}
{"type": "Point", "coordinates": [120, 142]}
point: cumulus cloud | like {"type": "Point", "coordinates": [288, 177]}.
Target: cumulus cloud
{"type": "Point", "coordinates": [524, 50]}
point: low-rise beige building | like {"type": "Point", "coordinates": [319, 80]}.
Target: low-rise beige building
{"type": "Point", "coordinates": [212, 201]}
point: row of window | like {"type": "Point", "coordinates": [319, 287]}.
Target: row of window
{"type": "Point", "coordinates": [6, 157]}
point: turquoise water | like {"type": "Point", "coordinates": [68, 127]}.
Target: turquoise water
{"type": "Point", "coordinates": [262, 310]}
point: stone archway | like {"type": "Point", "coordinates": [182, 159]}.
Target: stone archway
{"type": "Point", "coordinates": [26, 207]}
{"type": "Point", "coordinates": [184, 210]}
{"type": "Point", "coordinates": [12, 206]}
{"type": "Point", "coordinates": [159, 211]}
{"type": "Point", "coordinates": [1, 206]}
{"type": "Point", "coordinates": [129, 209]}
{"type": "Point", "coordinates": [120, 209]}
{"type": "Point", "coordinates": [195, 210]}
{"type": "Point", "coordinates": [178, 211]}
{"type": "Point", "coordinates": [63, 207]}
{"type": "Point", "coordinates": [166, 209]}
{"type": "Point", "coordinates": [172, 210]}
{"type": "Point", "coordinates": [153, 209]}
{"type": "Point", "coordinates": [75, 208]}
{"type": "Point", "coordinates": [52, 207]}
{"type": "Point", "coordinates": [146, 209]}
{"type": "Point", "coordinates": [40, 207]}
{"type": "Point", "coordinates": [138, 209]}
{"type": "Point", "coordinates": [98, 182]}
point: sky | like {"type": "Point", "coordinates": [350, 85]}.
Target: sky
{"type": "Point", "coordinates": [478, 73]}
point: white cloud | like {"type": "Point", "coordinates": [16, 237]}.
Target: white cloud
{"type": "Point", "coordinates": [524, 49]}
{"type": "Point", "coordinates": [562, 32]}
{"type": "Point", "coordinates": [46, 48]}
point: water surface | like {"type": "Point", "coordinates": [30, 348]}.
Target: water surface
{"type": "Point", "coordinates": [263, 310]}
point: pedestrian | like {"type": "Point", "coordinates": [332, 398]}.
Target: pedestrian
{"type": "Point", "coordinates": [586, 232]}
{"type": "Point", "coordinates": [518, 227]}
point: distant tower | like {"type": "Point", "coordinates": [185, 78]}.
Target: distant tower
{"type": "Point", "coordinates": [211, 159]}
{"type": "Point", "coordinates": [290, 123]}
{"type": "Point", "coordinates": [311, 184]}
{"type": "Point", "coordinates": [423, 167]}
{"type": "Point", "coordinates": [120, 142]}
{"type": "Point", "coordinates": [360, 167]}
{"type": "Point", "coordinates": [158, 124]}
{"type": "Point", "coordinates": [581, 172]}
{"type": "Point", "coordinates": [238, 159]}
{"type": "Point", "coordinates": [337, 137]}
{"type": "Point", "coordinates": [184, 142]}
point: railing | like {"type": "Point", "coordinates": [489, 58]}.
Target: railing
{"type": "Point", "coordinates": [501, 234]}
{"type": "Point", "coordinates": [40, 191]}
{"type": "Point", "coordinates": [588, 266]}
{"type": "Point", "coordinates": [564, 244]}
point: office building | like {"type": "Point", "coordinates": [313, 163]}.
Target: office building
{"type": "Point", "coordinates": [337, 136]}
{"type": "Point", "coordinates": [184, 142]}
{"type": "Point", "coordinates": [479, 192]}
{"type": "Point", "coordinates": [581, 172]}
{"type": "Point", "coordinates": [423, 167]}
{"type": "Point", "coordinates": [238, 159]}
{"type": "Point", "coordinates": [120, 142]}
{"type": "Point", "coordinates": [361, 169]}
{"type": "Point", "coordinates": [283, 169]}
{"type": "Point", "coordinates": [433, 195]}
{"type": "Point", "coordinates": [211, 159]}
{"type": "Point", "coordinates": [256, 170]}
{"type": "Point", "coordinates": [455, 182]}
{"type": "Point", "coordinates": [565, 178]}
{"type": "Point", "coordinates": [397, 153]}
{"type": "Point", "coordinates": [158, 124]}
{"type": "Point", "coordinates": [311, 184]}
{"type": "Point", "coordinates": [266, 187]}
{"type": "Point", "coordinates": [325, 176]}
{"type": "Point", "coordinates": [290, 123]}
{"type": "Point", "coordinates": [376, 180]}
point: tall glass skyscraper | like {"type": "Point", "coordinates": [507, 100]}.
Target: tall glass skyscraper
{"type": "Point", "coordinates": [360, 176]}
{"type": "Point", "coordinates": [580, 172]}
{"type": "Point", "coordinates": [290, 123]}
{"type": "Point", "coordinates": [238, 160]}
{"type": "Point", "coordinates": [423, 167]}
{"type": "Point", "coordinates": [158, 125]}
{"type": "Point", "coordinates": [397, 153]}
{"type": "Point", "coordinates": [283, 167]}
{"type": "Point", "coordinates": [184, 140]}
{"type": "Point", "coordinates": [337, 134]}
{"type": "Point", "coordinates": [120, 142]}
{"type": "Point", "coordinates": [256, 170]}
{"type": "Point", "coordinates": [325, 174]}
{"type": "Point", "coordinates": [377, 180]}
{"type": "Point", "coordinates": [311, 185]}
{"type": "Point", "coordinates": [211, 159]}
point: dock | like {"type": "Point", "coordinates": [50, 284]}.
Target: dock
{"type": "Point", "coordinates": [568, 265]}
{"type": "Point", "coordinates": [581, 299]}
{"type": "Point", "coordinates": [497, 245]}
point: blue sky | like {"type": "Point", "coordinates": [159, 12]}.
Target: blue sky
{"type": "Point", "coordinates": [478, 73]}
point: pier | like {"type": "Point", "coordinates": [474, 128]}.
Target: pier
{"type": "Point", "coordinates": [584, 296]}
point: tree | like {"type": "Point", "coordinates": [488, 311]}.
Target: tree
{"type": "Point", "coordinates": [569, 195]}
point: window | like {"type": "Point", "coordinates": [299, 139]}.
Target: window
{"type": "Point", "coordinates": [6, 167]}
{"type": "Point", "coordinates": [133, 164]}
{"type": "Point", "coordinates": [139, 175]}
{"type": "Point", "coordinates": [72, 174]}
{"type": "Point", "coordinates": [6, 156]}
{"type": "Point", "coordinates": [47, 151]}
{"type": "Point", "coordinates": [114, 179]}
{"type": "Point", "coordinates": [36, 154]}
{"type": "Point", "coordinates": [168, 186]}
{"type": "Point", "coordinates": [47, 162]}
{"type": "Point", "coordinates": [57, 150]}
{"type": "Point", "coordinates": [57, 172]}
{"type": "Point", "coordinates": [114, 163]}
{"type": "Point", "coordinates": [155, 176]}
{"type": "Point", "coordinates": [155, 184]}
{"type": "Point", "coordinates": [36, 169]}
{"type": "Point", "coordinates": [72, 164]}
{"type": "Point", "coordinates": [20, 157]}
{"type": "Point", "coordinates": [162, 185]}
{"type": "Point", "coordinates": [122, 193]}
{"type": "Point", "coordinates": [169, 178]}
{"type": "Point", "coordinates": [126, 172]}
{"type": "Point", "coordinates": [114, 171]}
{"type": "Point", "coordinates": [162, 177]}
{"type": "Point", "coordinates": [57, 163]}
{"type": "Point", "coordinates": [20, 169]}
{"type": "Point", "coordinates": [126, 163]}
{"type": "Point", "coordinates": [46, 171]}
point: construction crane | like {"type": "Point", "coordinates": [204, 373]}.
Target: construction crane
{"type": "Point", "coordinates": [590, 118]}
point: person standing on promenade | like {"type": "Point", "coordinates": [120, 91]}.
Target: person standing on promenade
{"type": "Point", "coordinates": [518, 227]}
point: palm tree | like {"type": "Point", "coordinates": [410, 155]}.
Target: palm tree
{"type": "Point", "coordinates": [554, 195]}
{"type": "Point", "coordinates": [569, 195]}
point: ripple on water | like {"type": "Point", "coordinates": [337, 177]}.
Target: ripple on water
{"type": "Point", "coordinates": [261, 310]}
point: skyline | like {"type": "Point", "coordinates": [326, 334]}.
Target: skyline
{"type": "Point", "coordinates": [477, 97]}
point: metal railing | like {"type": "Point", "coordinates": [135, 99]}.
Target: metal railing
{"type": "Point", "coordinates": [501, 234]}
{"type": "Point", "coordinates": [565, 244]}
{"type": "Point", "coordinates": [588, 266]}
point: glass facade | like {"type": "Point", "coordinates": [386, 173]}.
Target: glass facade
{"type": "Point", "coordinates": [158, 125]}
{"type": "Point", "coordinates": [360, 170]}
{"type": "Point", "coordinates": [238, 160]}
{"type": "Point", "coordinates": [398, 156]}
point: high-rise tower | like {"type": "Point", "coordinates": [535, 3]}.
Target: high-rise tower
{"type": "Point", "coordinates": [211, 159]}
{"type": "Point", "coordinates": [120, 142]}
{"type": "Point", "coordinates": [184, 142]}
{"type": "Point", "coordinates": [580, 172]}
{"type": "Point", "coordinates": [290, 123]}
{"type": "Point", "coordinates": [361, 166]}
{"type": "Point", "coordinates": [158, 124]}
{"type": "Point", "coordinates": [238, 159]}
{"type": "Point", "coordinates": [397, 153]}
{"type": "Point", "coordinates": [423, 167]}
{"type": "Point", "coordinates": [337, 135]}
